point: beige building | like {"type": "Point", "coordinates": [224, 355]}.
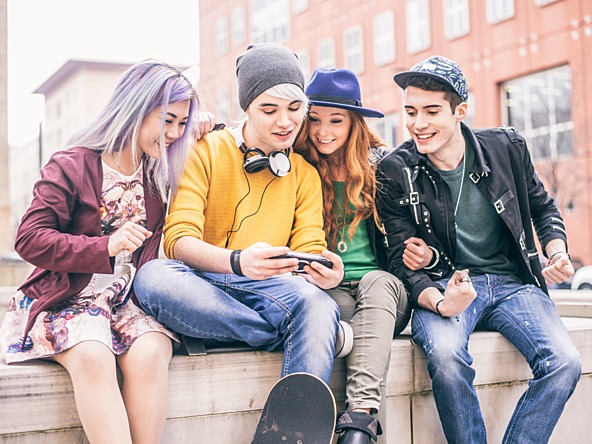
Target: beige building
{"type": "Point", "coordinates": [74, 95]}
{"type": "Point", "coordinates": [23, 168]}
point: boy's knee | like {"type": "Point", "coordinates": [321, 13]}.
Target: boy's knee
{"type": "Point", "coordinates": [316, 306]}
{"type": "Point", "coordinates": [570, 364]}
{"type": "Point", "coordinates": [154, 278]}
{"type": "Point", "coordinates": [152, 272]}
{"type": "Point", "coordinates": [325, 304]}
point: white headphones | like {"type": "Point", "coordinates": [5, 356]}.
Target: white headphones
{"type": "Point", "coordinates": [278, 162]}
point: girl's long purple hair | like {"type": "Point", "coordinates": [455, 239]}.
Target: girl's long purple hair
{"type": "Point", "coordinates": [142, 88]}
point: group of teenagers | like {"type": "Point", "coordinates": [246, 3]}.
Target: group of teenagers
{"type": "Point", "coordinates": [442, 225]}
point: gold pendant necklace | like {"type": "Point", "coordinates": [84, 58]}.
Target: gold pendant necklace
{"type": "Point", "coordinates": [342, 245]}
{"type": "Point", "coordinates": [341, 214]}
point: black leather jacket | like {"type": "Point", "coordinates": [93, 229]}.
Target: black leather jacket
{"type": "Point", "coordinates": [414, 200]}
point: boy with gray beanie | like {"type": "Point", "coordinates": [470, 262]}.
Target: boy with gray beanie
{"type": "Point", "coordinates": [244, 199]}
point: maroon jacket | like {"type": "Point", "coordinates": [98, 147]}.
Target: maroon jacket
{"type": "Point", "coordinates": [60, 234]}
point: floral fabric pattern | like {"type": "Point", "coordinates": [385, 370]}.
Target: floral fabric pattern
{"type": "Point", "coordinates": [100, 312]}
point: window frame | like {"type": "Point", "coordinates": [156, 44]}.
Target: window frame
{"type": "Point", "coordinates": [384, 38]}
{"type": "Point", "coordinates": [417, 12]}
{"type": "Point", "coordinates": [499, 11]}
{"type": "Point", "coordinates": [455, 12]}
{"type": "Point", "coordinates": [221, 44]}
{"type": "Point", "coordinates": [353, 55]}
{"type": "Point", "coordinates": [322, 60]}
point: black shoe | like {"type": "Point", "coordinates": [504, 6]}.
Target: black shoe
{"type": "Point", "coordinates": [357, 428]}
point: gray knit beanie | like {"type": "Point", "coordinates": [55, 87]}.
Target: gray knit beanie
{"type": "Point", "coordinates": [263, 66]}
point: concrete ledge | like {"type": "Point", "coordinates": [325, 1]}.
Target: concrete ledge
{"type": "Point", "coordinates": [573, 303]}
{"type": "Point", "coordinates": [218, 397]}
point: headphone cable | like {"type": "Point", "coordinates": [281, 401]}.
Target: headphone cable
{"type": "Point", "coordinates": [232, 230]}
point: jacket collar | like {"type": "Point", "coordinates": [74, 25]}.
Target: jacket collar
{"type": "Point", "coordinates": [479, 168]}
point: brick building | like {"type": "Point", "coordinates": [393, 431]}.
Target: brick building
{"type": "Point", "coordinates": [528, 63]}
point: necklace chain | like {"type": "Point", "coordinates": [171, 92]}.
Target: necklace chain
{"type": "Point", "coordinates": [462, 180]}
{"type": "Point", "coordinates": [121, 169]}
{"type": "Point", "coordinates": [114, 157]}
{"type": "Point", "coordinates": [342, 244]}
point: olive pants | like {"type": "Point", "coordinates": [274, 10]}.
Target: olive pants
{"type": "Point", "coordinates": [377, 308]}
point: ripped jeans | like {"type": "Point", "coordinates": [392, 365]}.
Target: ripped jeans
{"type": "Point", "coordinates": [527, 317]}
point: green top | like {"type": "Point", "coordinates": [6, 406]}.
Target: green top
{"type": "Point", "coordinates": [482, 238]}
{"type": "Point", "coordinates": [358, 259]}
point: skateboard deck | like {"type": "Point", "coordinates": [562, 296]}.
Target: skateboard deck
{"type": "Point", "coordinates": [300, 409]}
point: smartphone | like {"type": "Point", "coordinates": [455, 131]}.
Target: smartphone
{"type": "Point", "coordinates": [305, 259]}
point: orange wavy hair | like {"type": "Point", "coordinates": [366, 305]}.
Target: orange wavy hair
{"type": "Point", "coordinates": [360, 188]}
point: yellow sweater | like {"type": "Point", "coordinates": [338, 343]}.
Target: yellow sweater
{"type": "Point", "coordinates": [214, 187]}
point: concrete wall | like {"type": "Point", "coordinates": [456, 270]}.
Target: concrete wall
{"type": "Point", "coordinates": [218, 397]}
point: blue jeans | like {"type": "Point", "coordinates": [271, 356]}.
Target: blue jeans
{"type": "Point", "coordinates": [527, 317]}
{"type": "Point", "coordinates": [284, 312]}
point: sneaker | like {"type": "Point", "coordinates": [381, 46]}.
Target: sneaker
{"type": "Point", "coordinates": [357, 428]}
{"type": "Point", "coordinates": [345, 340]}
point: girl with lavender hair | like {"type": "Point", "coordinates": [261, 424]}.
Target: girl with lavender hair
{"type": "Point", "coordinates": [96, 217]}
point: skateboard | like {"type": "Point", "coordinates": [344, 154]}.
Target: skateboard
{"type": "Point", "coordinates": [300, 409]}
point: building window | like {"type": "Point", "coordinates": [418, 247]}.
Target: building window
{"type": "Point", "coordinates": [270, 20]}
{"type": "Point", "coordinates": [499, 10]}
{"type": "Point", "coordinates": [353, 53]}
{"type": "Point", "coordinates": [386, 128]}
{"type": "Point", "coordinates": [326, 53]}
{"type": "Point", "coordinates": [384, 38]}
{"type": "Point", "coordinates": [544, 2]}
{"type": "Point", "coordinates": [239, 26]}
{"type": "Point", "coordinates": [539, 107]}
{"type": "Point", "coordinates": [456, 18]}
{"type": "Point", "coordinates": [304, 59]}
{"type": "Point", "coordinates": [221, 35]}
{"type": "Point", "coordinates": [418, 25]}
{"type": "Point", "coordinates": [299, 6]}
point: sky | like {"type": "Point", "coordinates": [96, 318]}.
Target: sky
{"type": "Point", "coordinates": [44, 34]}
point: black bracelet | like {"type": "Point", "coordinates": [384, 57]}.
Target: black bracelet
{"type": "Point", "coordinates": [559, 252]}
{"type": "Point", "coordinates": [235, 262]}
{"type": "Point", "coordinates": [438, 306]}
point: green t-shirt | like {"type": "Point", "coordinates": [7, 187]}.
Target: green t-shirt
{"type": "Point", "coordinates": [482, 238]}
{"type": "Point", "coordinates": [358, 259]}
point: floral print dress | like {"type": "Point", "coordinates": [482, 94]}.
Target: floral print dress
{"type": "Point", "coordinates": [102, 311]}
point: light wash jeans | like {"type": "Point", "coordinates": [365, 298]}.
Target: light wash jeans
{"type": "Point", "coordinates": [527, 317]}
{"type": "Point", "coordinates": [284, 312]}
{"type": "Point", "coordinates": [377, 308]}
